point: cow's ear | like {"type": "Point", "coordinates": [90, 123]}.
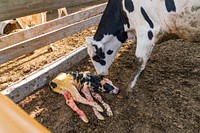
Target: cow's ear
{"type": "Point", "coordinates": [88, 40]}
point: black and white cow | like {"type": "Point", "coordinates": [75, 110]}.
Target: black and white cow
{"type": "Point", "coordinates": [145, 21]}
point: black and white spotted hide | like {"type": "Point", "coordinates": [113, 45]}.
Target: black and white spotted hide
{"type": "Point", "coordinates": [148, 22]}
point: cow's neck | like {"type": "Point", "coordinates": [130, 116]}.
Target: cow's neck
{"type": "Point", "coordinates": [112, 22]}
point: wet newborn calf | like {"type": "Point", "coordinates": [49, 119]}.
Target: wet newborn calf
{"type": "Point", "coordinates": [70, 85]}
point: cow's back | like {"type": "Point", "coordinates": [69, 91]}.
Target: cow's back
{"type": "Point", "coordinates": [182, 19]}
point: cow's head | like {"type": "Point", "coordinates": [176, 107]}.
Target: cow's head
{"type": "Point", "coordinates": [102, 52]}
{"type": "Point", "coordinates": [110, 35]}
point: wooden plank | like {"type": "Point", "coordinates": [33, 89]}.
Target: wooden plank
{"type": "Point", "coordinates": [39, 78]}
{"type": "Point", "coordinates": [10, 9]}
{"type": "Point", "coordinates": [35, 19]}
{"type": "Point", "coordinates": [32, 44]}
{"type": "Point", "coordinates": [14, 38]}
{"type": "Point", "coordinates": [15, 119]}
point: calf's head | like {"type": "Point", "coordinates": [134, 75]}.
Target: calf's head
{"type": "Point", "coordinates": [108, 87]}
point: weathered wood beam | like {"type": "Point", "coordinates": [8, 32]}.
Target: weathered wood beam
{"type": "Point", "coordinates": [10, 9]}
{"type": "Point", "coordinates": [14, 38]}
{"type": "Point", "coordinates": [22, 88]}
{"type": "Point", "coordinates": [32, 44]}
{"type": "Point", "coordinates": [14, 119]}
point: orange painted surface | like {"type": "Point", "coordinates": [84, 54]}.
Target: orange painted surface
{"type": "Point", "coordinates": [15, 120]}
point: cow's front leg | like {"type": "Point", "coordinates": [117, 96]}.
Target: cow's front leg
{"type": "Point", "coordinates": [88, 96]}
{"type": "Point", "coordinates": [70, 102]}
{"type": "Point", "coordinates": [143, 52]}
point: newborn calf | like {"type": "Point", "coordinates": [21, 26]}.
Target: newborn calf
{"type": "Point", "coordinates": [69, 85]}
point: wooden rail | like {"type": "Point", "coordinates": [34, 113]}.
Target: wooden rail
{"type": "Point", "coordinates": [18, 44]}
{"type": "Point", "coordinates": [39, 78]}
{"type": "Point", "coordinates": [32, 44]}
{"type": "Point", "coordinates": [10, 9]}
{"type": "Point", "coordinates": [14, 38]}
{"type": "Point", "coordinates": [36, 37]}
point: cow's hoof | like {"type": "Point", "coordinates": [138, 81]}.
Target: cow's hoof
{"type": "Point", "coordinates": [122, 94]}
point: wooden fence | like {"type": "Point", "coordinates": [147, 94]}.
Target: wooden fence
{"type": "Point", "coordinates": [20, 43]}
{"type": "Point", "coordinates": [17, 44]}
{"type": "Point", "coordinates": [10, 9]}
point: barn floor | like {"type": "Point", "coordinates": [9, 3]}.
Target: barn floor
{"type": "Point", "coordinates": [166, 98]}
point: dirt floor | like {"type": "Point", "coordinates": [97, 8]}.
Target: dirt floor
{"type": "Point", "coordinates": [166, 98]}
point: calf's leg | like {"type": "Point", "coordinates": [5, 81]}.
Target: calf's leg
{"type": "Point", "coordinates": [70, 102]}
{"type": "Point", "coordinates": [77, 97]}
{"type": "Point", "coordinates": [106, 106]}
{"type": "Point", "coordinates": [88, 96]}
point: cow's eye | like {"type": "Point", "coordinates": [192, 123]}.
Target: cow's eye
{"type": "Point", "coordinates": [109, 52]}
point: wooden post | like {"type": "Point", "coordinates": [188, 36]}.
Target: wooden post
{"type": "Point", "coordinates": [14, 120]}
